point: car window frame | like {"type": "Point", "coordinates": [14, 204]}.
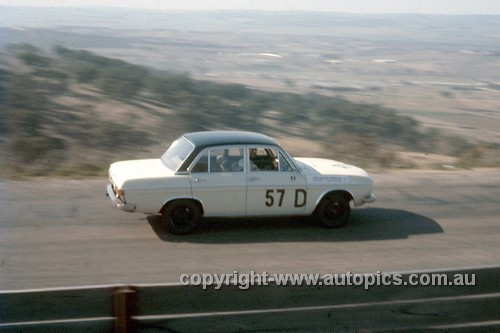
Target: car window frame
{"type": "Point", "coordinates": [182, 137]}
{"type": "Point", "coordinates": [207, 149]}
{"type": "Point", "coordinates": [279, 150]}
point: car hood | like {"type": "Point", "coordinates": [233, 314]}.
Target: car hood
{"type": "Point", "coordinates": [321, 166]}
{"type": "Point", "coordinates": [123, 171]}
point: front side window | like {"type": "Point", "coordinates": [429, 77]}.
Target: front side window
{"type": "Point", "coordinates": [177, 153]}
{"type": "Point", "coordinates": [263, 159]}
{"type": "Point", "coordinates": [268, 159]}
{"type": "Point", "coordinates": [284, 165]}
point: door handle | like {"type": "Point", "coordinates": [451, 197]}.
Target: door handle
{"type": "Point", "coordinates": [253, 179]}
{"type": "Point", "coordinates": [197, 180]}
{"type": "Point", "coordinates": [292, 177]}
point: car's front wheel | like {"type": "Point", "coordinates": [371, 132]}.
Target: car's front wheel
{"type": "Point", "coordinates": [333, 211]}
{"type": "Point", "coordinates": [181, 217]}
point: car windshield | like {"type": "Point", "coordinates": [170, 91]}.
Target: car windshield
{"type": "Point", "coordinates": [177, 153]}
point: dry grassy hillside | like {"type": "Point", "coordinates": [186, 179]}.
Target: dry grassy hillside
{"type": "Point", "coordinates": [70, 112]}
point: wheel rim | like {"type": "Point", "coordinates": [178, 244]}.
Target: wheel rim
{"type": "Point", "coordinates": [181, 215]}
{"type": "Point", "coordinates": [334, 210]}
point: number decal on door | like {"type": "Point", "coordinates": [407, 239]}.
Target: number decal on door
{"type": "Point", "coordinates": [300, 197]}
{"type": "Point", "coordinates": [269, 198]}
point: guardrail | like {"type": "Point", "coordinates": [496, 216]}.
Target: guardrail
{"type": "Point", "coordinates": [173, 307]}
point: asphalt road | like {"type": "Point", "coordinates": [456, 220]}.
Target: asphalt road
{"type": "Point", "coordinates": [56, 233]}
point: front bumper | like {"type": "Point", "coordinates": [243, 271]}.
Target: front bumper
{"type": "Point", "coordinates": [117, 202]}
{"type": "Point", "coordinates": [369, 198]}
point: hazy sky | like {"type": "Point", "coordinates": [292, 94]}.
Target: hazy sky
{"type": "Point", "coordinates": [351, 6]}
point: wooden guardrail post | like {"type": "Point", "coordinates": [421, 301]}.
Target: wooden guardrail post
{"type": "Point", "coordinates": [124, 308]}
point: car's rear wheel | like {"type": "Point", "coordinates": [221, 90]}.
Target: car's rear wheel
{"type": "Point", "coordinates": [333, 211]}
{"type": "Point", "coordinates": [181, 217]}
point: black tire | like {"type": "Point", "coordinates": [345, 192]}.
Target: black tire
{"type": "Point", "coordinates": [181, 217]}
{"type": "Point", "coordinates": [333, 211]}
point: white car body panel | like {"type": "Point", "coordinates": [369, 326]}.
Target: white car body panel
{"type": "Point", "coordinates": [324, 175]}
{"type": "Point", "coordinates": [150, 195]}
{"type": "Point", "coordinates": [221, 193]}
{"type": "Point", "coordinates": [148, 183]}
{"type": "Point", "coordinates": [274, 193]}
{"type": "Point", "coordinates": [326, 167]}
{"type": "Point", "coordinates": [138, 169]}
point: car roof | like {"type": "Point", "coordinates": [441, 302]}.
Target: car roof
{"type": "Point", "coordinates": [218, 138]}
{"type": "Point", "coordinates": [202, 140]}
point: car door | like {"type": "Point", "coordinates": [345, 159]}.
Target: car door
{"type": "Point", "coordinates": [274, 187]}
{"type": "Point", "coordinates": [218, 181]}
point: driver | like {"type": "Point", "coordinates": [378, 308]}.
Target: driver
{"type": "Point", "coordinates": [253, 157]}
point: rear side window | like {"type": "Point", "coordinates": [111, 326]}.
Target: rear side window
{"type": "Point", "coordinates": [220, 160]}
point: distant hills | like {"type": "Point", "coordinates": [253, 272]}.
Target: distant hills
{"type": "Point", "coordinates": [73, 112]}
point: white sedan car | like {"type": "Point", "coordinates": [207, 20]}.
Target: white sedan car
{"type": "Point", "coordinates": [236, 174]}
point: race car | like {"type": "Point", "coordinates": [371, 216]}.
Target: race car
{"type": "Point", "coordinates": [236, 174]}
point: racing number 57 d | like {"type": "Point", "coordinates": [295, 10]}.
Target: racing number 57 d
{"type": "Point", "coordinates": [300, 197]}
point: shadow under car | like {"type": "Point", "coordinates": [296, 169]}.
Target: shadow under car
{"type": "Point", "coordinates": [365, 224]}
